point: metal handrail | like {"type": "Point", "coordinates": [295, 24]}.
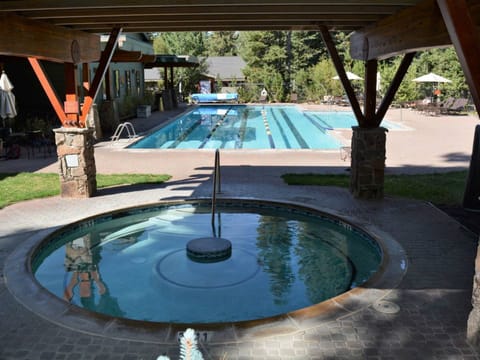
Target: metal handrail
{"type": "Point", "coordinates": [124, 126]}
{"type": "Point", "coordinates": [216, 187]}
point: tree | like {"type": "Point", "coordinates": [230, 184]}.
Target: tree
{"type": "Point", "coordinates": [183, 43]}
{"type": "Point", "coordinates": [407, 91]}
{"type": "Point", "coordinates": [222, 43]}
{"type": "Point", "coordinates": [443, 62]}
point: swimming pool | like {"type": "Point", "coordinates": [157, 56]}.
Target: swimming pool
{"type": "Point", "coordinates": [250, 127]}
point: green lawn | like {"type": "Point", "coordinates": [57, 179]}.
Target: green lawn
{"type": "Point", "coordinates": [439, 188]}
{"type": "Point", "coordinates": [26, 186]}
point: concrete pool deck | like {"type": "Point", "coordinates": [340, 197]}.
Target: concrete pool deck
{"type": "Point", "coordinates": [433, 297]}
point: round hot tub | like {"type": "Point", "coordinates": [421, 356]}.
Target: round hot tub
{"type": "Point", "coordinates": [134, 264]}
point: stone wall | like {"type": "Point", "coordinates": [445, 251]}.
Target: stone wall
{"type": "Point", "coordinates": [473, 324]}
{"type": "Point", "coordinates": [368, 162]}
{"type": "Point", "coordinates": [77, 162]}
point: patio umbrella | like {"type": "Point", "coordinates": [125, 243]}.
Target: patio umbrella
{"type": "Point", "coordinates": [433, 78]}
{"type": "Point", "coordinates": [7, 99]}
{"type": "Point", "coordinates": [350, 76]}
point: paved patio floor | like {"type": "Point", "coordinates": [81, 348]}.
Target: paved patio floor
{"type": "Point", "coordinates": [433, 295]}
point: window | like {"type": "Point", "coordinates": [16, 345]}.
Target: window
{"type": "Point", "coordinates": [128, 83]}
{"type": "Point", "coordinates": [138, 83]}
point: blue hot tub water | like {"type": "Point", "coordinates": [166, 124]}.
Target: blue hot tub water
{"type": "Point", "coordinates": [133, 264]}
{"type": "Point", "coordinates": [250, 127]}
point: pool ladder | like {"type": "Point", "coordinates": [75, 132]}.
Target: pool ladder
{"type": "Point", "coordinates": [216, 187]}
{"type": "Point", "coordinates": [124, 126]}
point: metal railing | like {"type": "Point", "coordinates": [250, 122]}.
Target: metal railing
{"type": "Point", "coordinates": [216, 186]}
{"type": "Point", "coordinates": [124, 126]}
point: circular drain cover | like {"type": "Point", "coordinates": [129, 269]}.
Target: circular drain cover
{"type": "Point", "coordinates": [386, 307]}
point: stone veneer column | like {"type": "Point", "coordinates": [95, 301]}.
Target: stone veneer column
{"type": "Point", "coordinates": [473, 323]}
{"type": "Point", "coordinates": [77, 162]}
{"type": "Point", "coordinates": [368, 162]}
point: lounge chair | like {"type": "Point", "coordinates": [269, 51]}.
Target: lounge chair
{"type": "Point", "coordinates": [457, 107]}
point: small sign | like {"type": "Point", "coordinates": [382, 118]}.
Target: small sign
{"type": "Point", "coordinates": [71, 160]}
{"type": "Point", "coordinates": [202, 336]}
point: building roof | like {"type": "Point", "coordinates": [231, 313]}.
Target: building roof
{"type": "Point", "coordinates": [167, 60]}
{"type": "Point", "coordinates": [226, 67]}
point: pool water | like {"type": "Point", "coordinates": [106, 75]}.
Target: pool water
{"type": "Point", "coordinates": [249, 127]}
{"type": "Point", "coordinates": [133, 264]}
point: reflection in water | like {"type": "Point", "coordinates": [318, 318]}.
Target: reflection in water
{"type": "Point", "coordinates": [81, 261]}
{"type": "Point", "coordinates": [319, 252]}
{"type": "Point", "coordinates": [274, 242]}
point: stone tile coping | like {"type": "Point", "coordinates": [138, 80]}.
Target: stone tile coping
{"type": "Point", "coordinates": [24, 287]}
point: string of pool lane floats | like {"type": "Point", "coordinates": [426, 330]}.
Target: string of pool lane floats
{"type": "Point", "coordinates": [267, 128]}
{"type": "Point", "coordinates": [217, 125]}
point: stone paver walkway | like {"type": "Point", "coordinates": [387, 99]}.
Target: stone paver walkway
{"type": "Point", "coordinates": [433, 297]}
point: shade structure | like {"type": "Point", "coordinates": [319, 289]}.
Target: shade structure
{"type": "Point", "coordinates": [350, 76]}
{"type": "Point", "coordinates": [7, 99]}
{"type": "Point", "coordinates": [433, 78]}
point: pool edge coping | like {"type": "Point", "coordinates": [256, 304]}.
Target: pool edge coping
{"type": "Point", "coordinates": [26, 290]}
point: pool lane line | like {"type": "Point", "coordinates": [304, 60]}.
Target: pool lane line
{"type": "Point", "coordinates": [282, 131]}
{"type": "Point", "coordinates": [315, 123]}
{"type": "Point", "coordinates": [267, 128]}
{"type": "Point", "coordinates": [242, 131]}
{"type": "Point", "coordinates": [301, 141]}
{"type": "Point", "coordinates": [217, 125]}
{"type": "Point", "coordinates": [184, 134]}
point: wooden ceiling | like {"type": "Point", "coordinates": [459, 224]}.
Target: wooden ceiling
{"type": "Point", "coordinates": [100, 16]}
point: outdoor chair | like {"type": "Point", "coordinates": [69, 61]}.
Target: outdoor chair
{"type": "Point", "coordinates": [457, 107]}
{"type": "Point", "coordinates": [37, 143]}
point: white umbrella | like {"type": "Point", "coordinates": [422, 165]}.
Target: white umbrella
{"type": "Point", "coordinates": [350, 76]}
{"type": "Point", "coordinates": [431, 77]}
{"type": "Point", "coordinates": [7, 99]}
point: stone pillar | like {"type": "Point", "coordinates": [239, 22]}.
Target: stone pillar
{"type": "Point", "coordinates": [473, 323]}
{"type": "Point", "coordinates": [77, 162]}
{"type": "Point", "coordinates": [368, 162]}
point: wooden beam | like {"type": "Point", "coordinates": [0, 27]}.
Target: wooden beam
{"type": "Point", "coordinates": [127, 56]}
{"type": "Point", "coordinates": [466, 40]}
{"type": "Point", "coordinates": [148, 58]}
{"type": "Point", "coordinates": [415, 28]}
{"type": "Point", "coordinates": [347, 86]}
{"type": "Point", "coordinates": [24, 5]}
{"type": "Point", "coordinates": [71, 107]}
{"type": "Point", "coordinates": [49, 90]}
{"type": "Point", "coordinates": [132, 56]}
{"type": "Point", "coordinates": [394, 85]}
{"type": "Point", "coordinates": [29, 38]}
{"type": "Point", "coordinates": [103, 65]}
{"type": "Point", "coordinates": [370, 92]}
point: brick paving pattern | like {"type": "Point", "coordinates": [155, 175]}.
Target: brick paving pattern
{"type": "Point", "coordinates": [433, 297]}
